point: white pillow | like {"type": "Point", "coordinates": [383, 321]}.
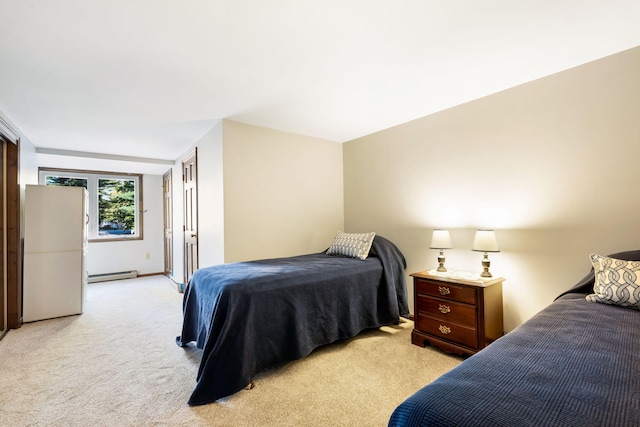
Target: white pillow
{"type": "Point", "coordinates": [617, 282]}
{"type": "Point", "coordinates": [355, 245]}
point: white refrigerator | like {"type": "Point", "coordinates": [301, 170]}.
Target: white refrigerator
{"type": "Point", "coordinates": [55, 245]}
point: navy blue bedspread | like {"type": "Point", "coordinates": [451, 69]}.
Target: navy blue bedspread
{"type": "Point", "coordinates": [576, 363]}
{"type": "Point", "coordinates": [249, 316]}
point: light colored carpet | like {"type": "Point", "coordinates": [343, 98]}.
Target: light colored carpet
{"type": "Point", "coordinates": [118, 365]}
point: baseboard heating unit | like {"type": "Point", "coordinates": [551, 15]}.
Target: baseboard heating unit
{"type": "Point", "coordinates": [93, 278]}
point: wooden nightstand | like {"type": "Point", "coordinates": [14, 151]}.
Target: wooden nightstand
{"type": "Point", "coordinates": [457, 312]}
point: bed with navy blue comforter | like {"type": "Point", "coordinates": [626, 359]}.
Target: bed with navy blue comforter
{"type": "Point", "coordinates": [575, 363]}
{"type": "Point", "coordinates": [250, 316]}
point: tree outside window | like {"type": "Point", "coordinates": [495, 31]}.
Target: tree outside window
{"type": "Point", "coordinates": [62, 181]}
{"type": "Point", "coordinates": [116, 207]}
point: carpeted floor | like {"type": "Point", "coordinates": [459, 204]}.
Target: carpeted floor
{"type": "Point", "coordinates": [118, 365]}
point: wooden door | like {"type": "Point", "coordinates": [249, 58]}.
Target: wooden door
{"type": "Point", "coordinates": [190, 185]}
{"type": "Point", "coordinates": [11, 254]}
{"type": "Point", "coordinates": [3, 248]}
{"type": "Point", "coordinates": [167, 190]}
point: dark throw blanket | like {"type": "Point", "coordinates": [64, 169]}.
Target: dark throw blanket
{"type": "Point", "coordinates": [250, 316]}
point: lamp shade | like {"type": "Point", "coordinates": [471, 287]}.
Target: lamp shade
{"type": "Point", "coordinates": [440, 239]}
{"type": "Point", "coordinates": [485, 241]}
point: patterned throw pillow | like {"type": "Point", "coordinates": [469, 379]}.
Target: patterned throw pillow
{"type": "Point", "coordinates": [616, 282]}
{"type": "Point", "coordinates": [355, 245]}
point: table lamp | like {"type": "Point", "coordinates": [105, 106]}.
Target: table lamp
{"type": "Point", "coordinates": [485, 241]}
{"type": "Point", "coordinates": [440, 239]}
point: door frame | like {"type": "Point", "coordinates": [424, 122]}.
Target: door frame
{"type": "Point", "coordinates": [167, 197]}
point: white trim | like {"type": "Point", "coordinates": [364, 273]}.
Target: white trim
{"type": "Point", "coordinates": [7, 131]}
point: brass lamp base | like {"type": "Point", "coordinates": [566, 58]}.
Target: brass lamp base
{"type": "Point", "coordinates": [441, 262]}
{"type": "Point", "coordinates": [485, 265]}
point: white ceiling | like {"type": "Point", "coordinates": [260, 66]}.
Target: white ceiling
{"type": "Point", "coordinates": [147, 78]}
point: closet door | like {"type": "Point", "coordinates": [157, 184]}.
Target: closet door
{"type": "Point", "coordinates": [11, 255]}
{"type": "Point", "coordinates": [3, 251]}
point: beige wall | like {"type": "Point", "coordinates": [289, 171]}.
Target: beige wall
{"type": "Point", "coordinates": [283, 193]}
{"type": "Point", "coordinates": [552, 165]}
{"type": "Point", "coordinates": [261, 194]}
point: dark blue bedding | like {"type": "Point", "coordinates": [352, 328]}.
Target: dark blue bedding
{"type": "Point", "coordinates": [250, 316]}
{"type": "Point", "coordinates": [576, 363]}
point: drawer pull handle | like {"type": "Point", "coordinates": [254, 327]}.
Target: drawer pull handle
{"type": "Point", "coordinates": [444, 290]}
{"type": "Point", "coordinates": [444, 329]}
{"type": "Point", "coordinates": [444, 309]}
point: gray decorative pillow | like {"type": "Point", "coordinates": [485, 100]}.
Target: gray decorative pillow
{"type": "Point", "coordinates": [355, 245]}
{"type": "Point", "coordinates": [616, 282]}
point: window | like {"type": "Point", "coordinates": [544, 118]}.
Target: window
{"type": "Point", "coordinates": [114, 201]}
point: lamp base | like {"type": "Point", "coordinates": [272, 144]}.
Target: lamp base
{"type": "Point", "coordinates": [485, 265]}
{"type": "Point", "coordinates": [441, 258]}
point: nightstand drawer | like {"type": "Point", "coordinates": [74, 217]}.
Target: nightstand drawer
{"type": "Point", "coordinates": [446, 310]}
{"type": "Point", "coordinates": [446, 290]}
{"type": "Point", "coordinates": [449, 331]}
